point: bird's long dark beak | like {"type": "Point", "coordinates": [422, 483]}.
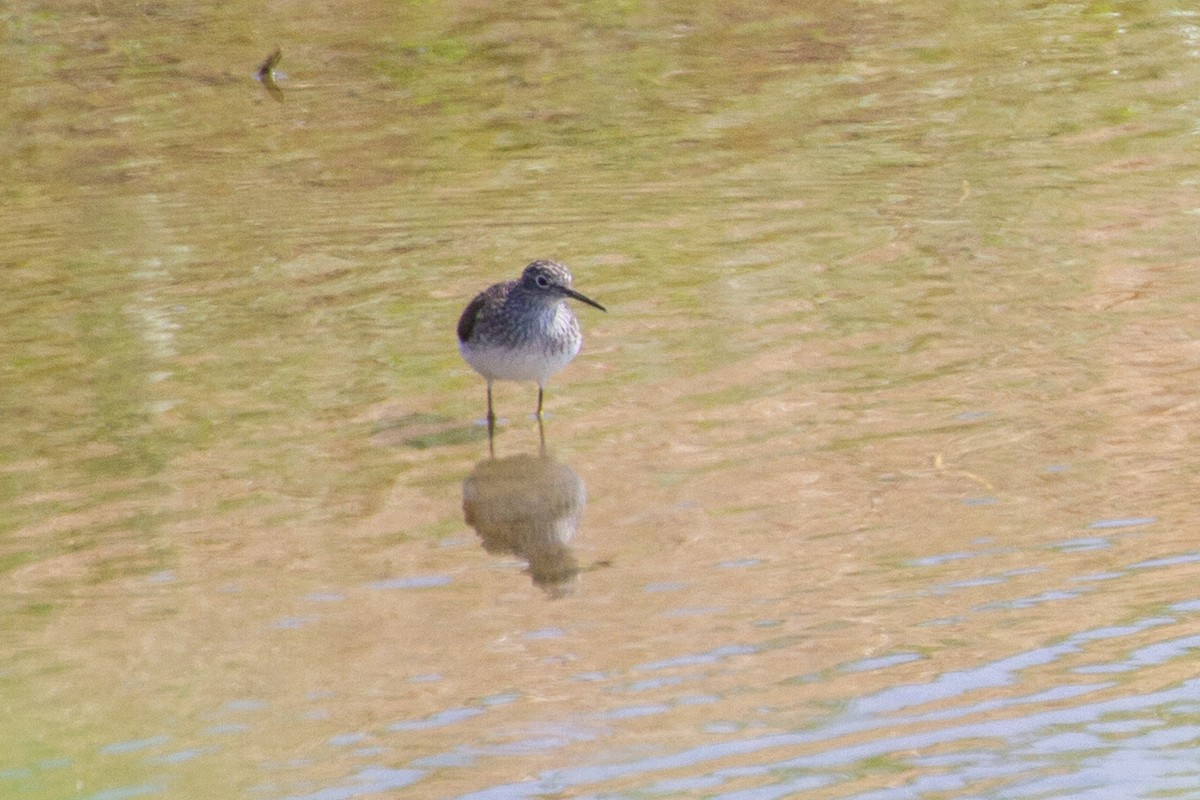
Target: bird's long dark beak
{"type": "Point", "coordinates": [583, 299]}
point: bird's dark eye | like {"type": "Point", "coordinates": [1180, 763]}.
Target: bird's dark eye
{"type": "Point", "coordinates": [542, 281]}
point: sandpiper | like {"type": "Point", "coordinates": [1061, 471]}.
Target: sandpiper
{"type": "Point", "coordinates": [522, 330]}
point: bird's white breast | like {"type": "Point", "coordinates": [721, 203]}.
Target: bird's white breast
{"type": "Point", "coordinates": [517, 364]}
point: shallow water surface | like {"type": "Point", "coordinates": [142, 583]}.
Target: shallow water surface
{"type": "Point", "coordinates": [873, 482]}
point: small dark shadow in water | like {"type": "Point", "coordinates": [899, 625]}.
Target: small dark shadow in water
{"type": "Point", "coordinates": [267, 77]}
{"type": "Point", "coordinates": [422, 431]}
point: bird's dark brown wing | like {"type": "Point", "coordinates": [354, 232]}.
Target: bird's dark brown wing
{"type": "Point", "coordinates": [466, 323]}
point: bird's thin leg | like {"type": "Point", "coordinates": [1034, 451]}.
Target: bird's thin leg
{"type": "Point", "coordinates": [491, 420]}
{"type": "Point", "coordinates": [541, 427]}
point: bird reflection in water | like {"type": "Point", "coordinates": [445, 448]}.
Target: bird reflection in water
{"type": "Point", "coordinates": [528, 506]}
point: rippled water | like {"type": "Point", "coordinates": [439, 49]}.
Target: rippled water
{"type": "Point", "coordinates": [874, 482]}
